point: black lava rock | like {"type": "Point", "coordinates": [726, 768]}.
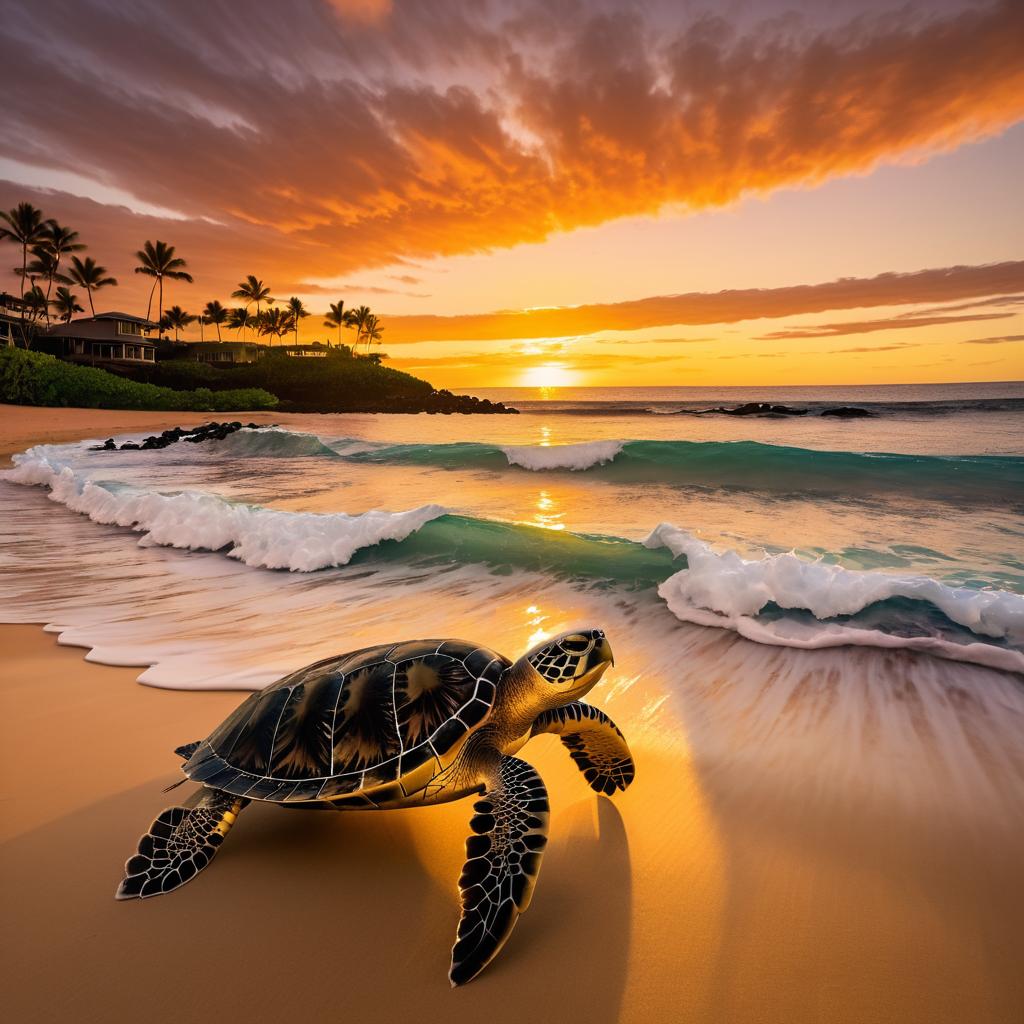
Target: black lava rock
{"type": "Point", "coordinates": [848, 412]}
{"type": "Point", "coordinates": [755, 409]}
{"type": "Point", "coordinates": [207, 432]}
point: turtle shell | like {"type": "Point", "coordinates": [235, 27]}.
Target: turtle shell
{"type": "Point", "coordinates": [348, 724]}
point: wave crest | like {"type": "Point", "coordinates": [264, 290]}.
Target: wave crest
{"type": "Point", "coordinates": [738, 465]}
{"type": "Point", "coordinates": [562, 456]}
{"type": "Point", "coordinates": [260, 537]}
{"type": "Point", "coordinates": [726, 590]}
{"type": "Point", "coordinates": [779, 599]}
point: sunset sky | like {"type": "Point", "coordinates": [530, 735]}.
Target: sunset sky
{"type": "Point", "coordinates": [550, 192]}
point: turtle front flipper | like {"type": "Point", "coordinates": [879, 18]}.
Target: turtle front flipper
{"type": "Point", "coordinates": [594, 743]}
{"type": "Point", "coordinates": [179, 844]}
{"type": "Point", "coordinates": [510, 826]}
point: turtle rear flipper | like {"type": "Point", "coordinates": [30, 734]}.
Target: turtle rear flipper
{"type": "Point", "coordinates": [179, 844]}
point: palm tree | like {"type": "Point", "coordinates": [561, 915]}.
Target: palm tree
{"type": "Point", "coordinates": [274, 322]}
{"type": "Point", "coordinates": [252, 290]}
{"type": "Point", "coordinates": [34, 300]}
{"type": "Point", "coordinates": [43, 264]}
{"type": "Point", "coordinates": [159, 261]}
{"type": "Point", "coordinates": [215, 313]}
{"type": "Point", "coordinates": [239, 319]}
{"type": "Point", "coordinates": [25, 227]}
{"type": "Point", "coordinates": [88, 274]}
{"type": "Point", "coordinates": [65, 304]}
{"type": "Point", "coordinates": [372, 332]}
{"type": "Point", "coordinates": [297, 311]}
{"type": "Point", "coordinates": [338, 316]}
{"type": "Point", "coordinates": [59, 241]}
{"type": "Point", "coordinates": [177, 319]}
{"type": "Point", "coordinates": [358, 317]}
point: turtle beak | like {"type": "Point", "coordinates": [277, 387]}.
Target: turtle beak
{"type": "Point", "coordinates": [597, 661]}
{"type": "Point", "coordinates": [602, 653]}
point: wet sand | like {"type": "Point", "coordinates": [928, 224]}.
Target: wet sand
{"type": "Point", "coordinates": [708, 892]}
{"type": "Point", "coordinates": [22, 426]}
{"type": "Point", "coordinates": [675, 902]}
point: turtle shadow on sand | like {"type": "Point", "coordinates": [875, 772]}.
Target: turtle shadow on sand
{"type": "Point", "coordinates": [315, 916]}
{"type": "Point", "coordinates": [571, 948]}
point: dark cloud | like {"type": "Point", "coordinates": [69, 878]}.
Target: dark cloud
{"type": "Point", "coordinates": [874, 348]}
{"type": "Point", "coordinates": [519, 361]}
{"type": "Point", "coordinates": [994, 341]}
{"type": "Point", "coordinates": [656, 341]}
{"type": "Point", "coordinates": [331, 143]}
{"type": "Point", "coordinates": [902, 322]}
{"type": "Point", "coordinates": [368, 289]}
{"type": "Point", "coordinates": [991, 301]}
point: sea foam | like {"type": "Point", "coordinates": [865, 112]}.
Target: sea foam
{"type": "Point", "coordinates": [723, 589]}
{"type": "Point", "coordinates": [780, 599]}
{"type": "Point", "coordinates": [262, 537]}
{"type": "Point", "coordinates": [732, 465]}
{"type": "Point", "coordinates": [562, 456]}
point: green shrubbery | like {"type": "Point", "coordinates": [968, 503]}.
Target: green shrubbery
{"type": "Point", "coordinates": [34, 378]}
{"type": "Point", "coordinates": [336, 382]}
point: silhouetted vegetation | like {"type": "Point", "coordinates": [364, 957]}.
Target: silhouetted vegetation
{"type": "Point", "coordinates": [34, 378]}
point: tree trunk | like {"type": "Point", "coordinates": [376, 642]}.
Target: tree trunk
{"type": "Point", "coordinates": [92, 308]}
{"type": "Point", "coordinates": [24, 271]}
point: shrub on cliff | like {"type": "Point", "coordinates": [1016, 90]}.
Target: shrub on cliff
{"type": "Point", "coordinates": [34, 378]}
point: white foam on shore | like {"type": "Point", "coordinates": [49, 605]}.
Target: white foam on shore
{"type": "Point", "coordinates": [562, 456]}
{"type": "Point", "coordinates": [726, 590]}
{"type": "Point", "coordinates": [261, 537]}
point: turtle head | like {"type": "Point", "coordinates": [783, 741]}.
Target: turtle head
{"type": "Point", "coordinates": [573, 662]}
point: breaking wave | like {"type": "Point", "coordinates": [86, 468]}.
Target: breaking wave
{"type": "Point", "coordinates": [261, 537]}
{"type": "Point", "coordinates": [780, 599]}
{"type": "Point", "coordinates": [741, 465]}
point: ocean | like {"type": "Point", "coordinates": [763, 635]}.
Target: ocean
{"type": "Point", "coordinates": [841, 594]}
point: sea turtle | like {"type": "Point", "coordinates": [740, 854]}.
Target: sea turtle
{"type": "Point", "coordinates": [402, 725]}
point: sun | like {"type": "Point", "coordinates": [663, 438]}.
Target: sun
{"type": "Point", "coordinates": [549, 375]}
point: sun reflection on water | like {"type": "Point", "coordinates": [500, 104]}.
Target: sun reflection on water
{"type": "Point", "coordinates": [547, 516]}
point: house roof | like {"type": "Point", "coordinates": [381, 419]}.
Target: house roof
{"type": "Point", "coordinates": [228, 344]}
{"type": "Point", "coordinates": [122, 316]}
{"type": "Point", "coordinates": [72, 330]}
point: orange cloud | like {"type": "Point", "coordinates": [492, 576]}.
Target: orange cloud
{"type": "Point", "coordinates": [365, 11]}
{"type": "Point", "coordinates": [868, 326]}
{"type": "Point", "coordinates": [449, 128]}
{"type": "Point", "coordinates": [1004, 340]}
{"type": "Point", "coordinates": [727, 306]}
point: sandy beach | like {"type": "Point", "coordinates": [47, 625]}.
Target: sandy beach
{"type": "Point", "coordinates": [703, 894]}
{"type": "Point", "coordinates": [666, 904]}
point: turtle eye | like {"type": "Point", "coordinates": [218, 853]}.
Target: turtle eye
{"type": "Point", "coordinates": [576, 644]}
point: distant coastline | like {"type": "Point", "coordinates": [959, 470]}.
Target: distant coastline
{"type": "Point", "coordinates": [338, 383]}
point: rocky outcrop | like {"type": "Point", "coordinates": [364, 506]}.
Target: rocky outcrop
{"type": "Point", "coordinates": [207, 432]}
{"type": "Point", "coordinates": [754, 409]}
{"type": "Point", "coordinates": [848, 412]}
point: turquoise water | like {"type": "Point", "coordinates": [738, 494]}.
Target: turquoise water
{"type": "Point", "coordinates": [797, 543]}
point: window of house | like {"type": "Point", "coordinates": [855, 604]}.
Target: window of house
{"type": "Point", "coordinates": [124, 327]}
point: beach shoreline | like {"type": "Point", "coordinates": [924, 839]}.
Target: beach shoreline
{"type": "Point", "coordinates": [706, 893]}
